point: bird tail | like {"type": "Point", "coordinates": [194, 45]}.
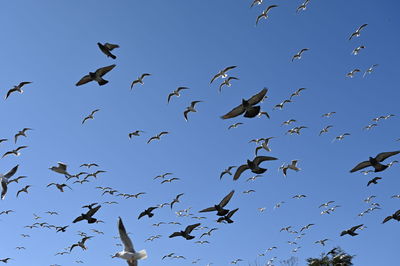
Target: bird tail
{"type": "Point", "coordinates": [103, 82]}
{"type": "Point", "coordinates": [141, 255]}
{"type": "Point", "coordinates": [91, 220]}
{"type": "Point", "coordinates": [151, 215]}
{"type": "Point", "coordinates": [112, 56]}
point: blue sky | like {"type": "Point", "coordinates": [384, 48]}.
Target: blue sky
{"type": "Point", "coordinates": [181, 43]}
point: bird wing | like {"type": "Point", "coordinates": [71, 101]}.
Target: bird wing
{"type": "Point", "coordinates": [11, 172]}
{"type": "Point", "coordinates": [185, 113]}
{"type": "Point", "coordinates": [62, 166]}
{"type": "Point", "coordinates": [175, 234]}
{"type": "Point", "coordinates": [362, 26]}
{"type": "Point", "coordinates": [92, 211]}
{"type": "Point", "coordinates": [215, 77]}
{"type": "Point", "coordinates": [229, 68]}
{"type": "Point", "coordinates": [169, 96]}
{"type": "Point", "coordinates": [226, 199]}
{"type": "Point", "coordinates": [356, 227]}
{"type": "Point", "coordinates": [260, 159]}
{"type": "Point", "coordinates": [84, 80]}
{"type": "Point", "coordinates": [238, 110]}
{"type": "Point", "coordinates": [104, 70]}
{"type": "Point", "coordinates": [270, 7]}
{"type": "Point", "coordinates": [387, 219]}
{"type": "Point", "coordinates": [258, 97]}
{"type": "Point", "coordinates": [360, 166]}
{"type": "Point", "coordinates": [383, 155]}
{"type": "Point", "coordinates": [4, 187]}
{"type": "Point", "coordinates": [231, 213]}
{"type": "Point", "coordinates": [134, 82]}
{"type": "Point", "coordinates": [111, 46]}
{"type": "Point", "coordinates": [240, 170]}
{"type": "Point", "coordinates": [10, 91]}
{"type": "Point", "coordinates": [190, 228]}
{"type": "Point", "coordinates": [128, 246]}
{"type": "Point", "coordinates": [163, 133]}
{"type": "Point", "coordinates": [210, 209]}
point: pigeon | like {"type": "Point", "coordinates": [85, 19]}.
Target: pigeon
{"type": "Point", "coordinates": [298, 55]}
{"type": "Point", "coordinates": [227, 217]}
{"type": "Point", "coordinates": [190, 108]}
{"type": "Point", "coordinates": [59, 186]}
{"type": "Point", "coordinates": [17, 88]}
{"type": "Point", "coordinates": [374, 181]}
{"type": "Point", "coordinates": [186, 232]}
{"type": "Point", "coordinates": [264, 14]}
{"type": "Point", "coordinates": [375, 162]}
{"type": "Point", "coordinates": [357, 32]}
{"type": "Point", "coordinates": [220, 207]}
{"type": "Point", "coordinates": [140, 79]}
{"type": "Point", "coordinates": [96, 76]}
{"type": "Point", "coordinates": [4, 179]}
{"type": "Point", "coordinates": [129, 254]}
{"type": "Point", "coordinates": [88, 215]}
{"type": "Point", "coordinates": [107, 48]}
{"type": "Point", "coordinates": [395, 216]}
{"type": "Point", "coordinates": [21, 133]}
{"type": "Point", "coordinates": [147, 212]}
{"type": "Point", "coordinates": [176, 93]}
{"type": "Point", "coordinates": [253, 166]}
{"type": "Point", "coordinates": [91, 116]}
{"type": "Point", "coordinates": [222, 73]}
{"type": "Point", "coordinates": [351, 231]}
{"type": "Point", "coordinates": [247, 107]}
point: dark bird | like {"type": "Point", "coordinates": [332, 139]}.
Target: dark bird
{"type": "Point", "coordinates": [186, 232]}
{"type": "Point", "coordinates": [135, 133]}
{"type": "Point", "coordinates": [88, 215]}
{"type": "Point", "coordinates": [21, 133]}
{"type": "Point", "coordinates": [96, 76]}
{"type": "Point", "coordinates": [247, 106]}
{"type": "Point", "coordinates": [139, 79]}
{"type": "Point", "coordinates": [4, 179]}
{"type": "Point", "coordinates": [374, 181]}
{"type": "Point", "coordinates": [17, 88]}
{"type": "Point", "coordinates": [351, 231]}
{"type": "Point", "coordinates": [226, 171]}
{"type": "Point", "coordinates": [375, 162]}
{"type": "Point", "coordinates": [220, 207]}
{"type": "Point", "coordinates": [88, 165]}
{"type": "Point", "coordinates": [147, 212]}
{"type": "Point", "coordinates": [59, 186]}
{"type": "Point", "coordinates": [394, 216]}
{"type": "Point", "coordinates": [107, 48]}
{"type": "Point", "coordinates": [222, 73]}
{"type": "Point", "coordinates": [227, 217]}
{"type": "Point", "coordinates": [253, 166]}
{"type": "Point", "coordinates": [176, 199]}
{"type": "Point", "coordinates": [5, 260]}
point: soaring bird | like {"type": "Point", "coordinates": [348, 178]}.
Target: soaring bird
{"type": "Point", "coordinates": [157, 136]}
{"type": "Point", "coordinates": [88, 165]}
{"type": "Point", "coordinates": [190, 108]}
{"type": "Point", "coordinates": [292, 165]}
{"type": "Point", "coordinates": [91, 116]}
{"type": "Point", "coordinates": [226, 171]}
{"type": "Point", "coordinates": [369, 70]}
{"type": "Point", "coordinates": [256, 2]}
{"type": "Point", "coordinates": [147, 212]}
{"type": "Point", "coordinates": [61, 168]}
{"type": "Point", "coordinates": [220, 207]}
{"type": "Point", "coordinates": [298, 55]}
{"type": "Point", "coordinates": [15, 152]}
{"type": "Point", "coordinates": [282, 104]}
{"type": "Point", "coordinates": [59, 186]}
{"type": "Point", "coordinates": [80, 243]}
{"type": "Point", "coordinates": [176, 93]}
{"type": "Point", "coordinates": [226, 82]}
{"type": "Point", "coordinates": [357, 49]}
{"type": "Point", "coordinates": [88, 215]}
{"type": "Point", "coordinates": [176, 199]}
{"type": "Point", "coordinates": [357, 32]}
{"type": "Point", "coordinates": [135, 133]}
{"type": "Point", "coordinates": [253, 166]}
{"type": "Point", "coordinates": [325, 130]}
{"type": "Point", "coordinates": [394, 216]}
{"type": "Point", "coordinates": [222, 73]}
{"type": "Point", "coordinates": [351, 231]}
{"type": "Point", "coordinates": [297, 93]}
{"type": "Point", "coordinates": [227, 217]}
{"type": "Point", "coordinates": [303, 6]}
{"type": "Point", "coordinates": [96, 76]}
{"type": "Point", "coordinates": [247, 106]}
{"type": "Point", "coordinates": [374, 180]}
{"type": "Point", "coordinates": [129, 254]}
{"type": "Point", "coordinates": [352, 73]}
{"type": "Point", "coordinates": [235, 125]}
{"type": "Point", "coordinates": [169, 180]}
{"type": "Point", "coordinates": [375, 162]}
{"type": "Point", "coordinates": [17, 88]}
{"type": "Point", "coordinates": [4, 179]}
{"type": "Point", "coordinates": [264, 145]}
{"type": "Point", "coordinates": [140, 79]}
{"type": "Point", "coordinates": [107, 48]}
{"type": "Point", "coordinates": [185, 233]}
{"type": "Point", "coordinates": [24, 189]}
{"type": "Point", "coordinates": [21, 133]}
{"type": "Point", "coordinates": [264, 14]}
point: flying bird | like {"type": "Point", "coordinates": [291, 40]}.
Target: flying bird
{"type": "Point", "coordinates": [15, 152]}
{"type": "Point", "coordinates": [59, 186]}
{"type": "Point", "coordinates": [24, 189]}
{"type": "Point", "coordinates": [352, 73]}
{"type": "Point", "coordinates": [185, 233]}
{"type": "Point", "coordinates": [190, 108]}
{"type": "Point", "coordinates": [264, 14]}
{"type": "Point", "coordinates": [357, 49]}
{"type": "Point", "coordinates": [226, 82]}
{"type": "Point", "coordinates": [325, 130]}
{"type": "Point", "coordinates": [140, 79]}
{"type": "Point", "coordinates": [351, 231]}
{"type": "Point", "coordinates": [357, 32]}
{"type": "Point", "coordinates": [375, 162]}
{"type": "Point", "coordinates": [220, 207]}
{"type": "Point", "coordinates": [253, 166]}
{"type": "Point", "coordinates": [303, 6]}
{"type": "Point", "coordinates": [247, 106]}
{"type": "Point", "coordinates": [107, 48]}
{"type": "Point", "coordinates": [88, 215]}
{"type": "Point", "coordinates": [256, 2]}
{"type": "Point", "coordinates": [147, 212]}
{"type": "Point", "coordinates": [228, 217]}
{"type": "Point", "coordinates": [96, 76]}
{"type": "Point", "coordinates": [135, 133]}
{"type": "Point", "coordinates": [157, 136]}
{"type": "Point", "coordinates": [235, 125]}
{"type": "Point", "coordinates": [222, 73]}
{"type": "Point", "coordinates": [394, 216]}
{"type": "Point", "coordinates": [91, 116]}
{"type": "Point", "coordinates": [61, 168]}
{"type": "Point", "coordinates": [17, 88]}
{"type": "Point", "coordinates": [298, 55]}
{"type": "Point", "coordinates": [369, 70]}
{"type": "Point", "coordinates": [21, 133]}
{"type": "Point", "coordinates": [4, 179]}
{"type": "Point", "coordinates": [176, 93]}
{"type": "Point", "coordinates": [226, 171]}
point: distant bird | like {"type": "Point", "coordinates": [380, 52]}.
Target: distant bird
{"type": "Point", "coordinates": [253, 178]}
{"type": "Point", "coordinates": [176, 93]}
{"type": "Point", "coordinates": [185, 233]}
{"type": "Point", "coordinates": [303, 6]}
{"type": "Point", "coordinates": [298, 55]}
{"type": "Point", "coordinates": [135, 133]}
{"type": "Point", "coordinates": [157, 136]}
{"type": "Point", "coordinates": [107, 48]}
{"type": "Point", "coordinates": [4, 179]}
{"type": "Point", "coordinates": [169, 180]}
{"type": "Point", "coordinates": [256, 2]}
{"type": "Point", "coordinates": [209, 232]}
{"type": "Point", "coordinates": [226, 171]}
{"type": "Point", "coordinates": [190, 108]}
{"type": "Point", "coordinates": [328, 114]}
{"type": "Point", "coordinates": [375, 162]}
{"type": "Point", "coordinates": [222, 73]}
{"type": "Point", "coordinates": [3, 140]}
{"type": "Point", "coordinates": [253, 166]}
{"type": "Point", "coordinates": [358, 49]}
{"type": "Point", "coordinates": [21, 133]}
{"type": "Point", "coordinates": [228, 217]}
{"type": "Point", "coordinates": [264, 14]}
{"type": "Point", "coordinates": [352, 73]}
{"type": "Point", "coordinates": [297, 93]}
{"type": "Point", "coordinates": [357, 32]}
{"type": "Point", "coordinates": [340, 137]}
{"type": "Point", "coordinates": [248, 191]}
{"type": "Point", "coordinates": [226, 82]}
{"type": "Point", "coordinates": [147, 212]}
{"type": "Point", "coordinates": [264, 145]}
{"type": "Point", "coordinates": [278, 205]}
{"type": "Point", "coordinates": [235, 125]}
{"type": "Point", "coordinates": [139, 79]}
{"type": "Point", "coordinates": [220, 207]}
{"type": "Point", "coordinates": [325, 130]}
{"type": "Point", "coordinates": [14, 152]}
{"type": "Point", "coordinates": [374, 181]}
{"type": "Point", "coordinates": [96, 76]}
{"type": "Point", "coordinates": [91, 116]}
{"type": "Point", "coordinates": [129, 254]}
{"type": "Point", "coordinates": [299, 197]}
{"type": "Point", "coordinates": [351, 231]}
{"type": "Point", "coordinates": [59, 186]}
{"type": "Point", "coordinates": [17, 88]}
{"type": "Point", "coordinates": [80, 243]}
{"type": "Point", "coordinates": [247, 107]}
{"type": "Point", "coordinates": [88, 165]}
{"type": "Point", "coordinates": [369, 70]}
{"type": "Point", "coordinates": [288, 122]}
{"type": "Point", "coordinates": [5, 260]}
{"type": "Point", "coordinates": [88, 215]}
{"type": "Point", "coordinates": [326, 204]}
{"type": "Point", "coordinates": [394, 216]}
{"type": "Point", "coordinates": [292, 166]}
{"type": "Point", "coordinates": [61, 168]}
{"type": "Point", "coordinates": [322, 241]}
{"type": "Point", "coordinates": [176, 199]}
{"type": "Point", "coordinates": [24, 189]}
{"type": "Point", "coordinates": [163, 175]}
{"type": "Point", "coordinates": [16, 180]}
{"type": "Point", "coordinates": [282, 104]}
{"type": "Point", "coordinates": [263, 113]}
{"type": "Point", "coordinates": [370, 126]}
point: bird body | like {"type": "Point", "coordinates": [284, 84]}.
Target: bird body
{"type": "Point", "coordinates": [96, 76]}
{"type": "Point", "coordinates": [247, 107]}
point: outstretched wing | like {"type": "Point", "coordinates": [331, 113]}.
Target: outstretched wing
{"type": "Point", "coordinates": [260, 159]}
{"type": "Point", "coordinates": [104, 70]}
{"type": "Point", "coordinates": [238, 110]}
{"type": "Point", "coordinates": [175, 234]}
{"type": "Point", "coordinates": [190, 228]}
{"type": "Point", "coordinates": [92, 211]}
{"type": "Point", "coordinates": [231, 213]}
{"type": "Point", "coordinates": [111, 46]}
{"type": "Point", "coordinates": [382, 156]}
{"type": "Point", "coordinates": [258, 97]}
{"type": "Point", "coordinates": [84, 80]}
{"type": "Point", "coordinates": [240, 170]}
{"type": "Point", "coordinates": [210, 209]}
{"type": "Point", "coordinates": [360, 166]}
{"type": "Point", "coordinates": [128, 246]}
{"type": "Point", "coordinates": [11, 172]}
{"type": "Point", "coordinates": [227, 198]}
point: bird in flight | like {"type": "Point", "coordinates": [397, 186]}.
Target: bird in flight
{"type": "Point", "coordinates": [253, 166]}
{"type": "Point", "coordinates": [298, 55]}
{"type": "Point", "coordinates": [222, 73]}
{"type": "Point", "coordinates": [220, 207]}
{"type": "Point", "coordinates": [96, 76]}
{"type": "Point", "coordinates": [88, 215]}
{"type": "Point", "coordinates": [91, 116]}
{"type": "Point", "coordinates": [190, 108]}
{"type": "Point", "coordinates": [21, 133]}
{"type": "Point", "coordinates": [375, 162]}
{"type": "Point", "coordinates": [4, 180]}
{"type": "Point", "coordinates": [247, 106]}
{"type": "Point", "coordinates": [264, 14]}
{"type": "Point", "coordinates": [158, 136]}
{"type": "Point", "coordinates": [357, 32]}
{"type": "Point", "coordinates": [176, 93]}
{"type": "Point", "coordinates": [351, 231]}
{"type": "Point", "coordinates": [107, 48]}
{"type": "Point", "coordinates": [139, 79]}
{"type": "Point", "coordinates": [357, 50]}
{"type": "Point", "coordinates": [226, 82]}
{"type": "Point", "coordinates": [185, 233]}
{"type": "Point", "coordinates": [17, 88]}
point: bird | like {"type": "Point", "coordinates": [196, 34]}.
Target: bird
{"type": "Point", "coordinates": [357, 32]}
{"type": "Point", "coordinates": [81, 243]}
{"type": "Point", "coordinates": [209, 232]}
{"type": "Point", "coordinates": [282, 104]}
{"type": "Point", "coordinates": [135, 133]}
{"type": "Point", "coordinates": [351, 231]}
{"type": "Point", "coordinates": [91, 116]}
{"type": "Point", "coordinates": [17, 88]}
{"type": "Point", "coordinates": [370, 126]}
{"type": "Point", "coordinates": [226, 171]}
{"type": "Point", "coordinates": [297, 93]}
{"type": "Point", "coordinates": [340, 137]}
{"type": "Point", "coordinates": [4, 179]}
{"type": "Point", "coordinates": [24, 189]}
{"type": "Point", "coordinates": [21, 133]}
{"type": "Point", "coordinates": [235, 125]}
{"type": "Point", "coordinates": [176, 93]}
{"type": "Point", "coordinates": [325, 130]}
{"type": "Point", "coordinates": [374, 180]}
{"type": "Point", "coordinates": [299, 197]}
{"type": "Point", "coordinates": [88, 215]}
{"type": "Point", "coordinates": [222, 73]}
{"type": "Point", "coordinates": [288, 122]}
{"type": "Point", "coordinates": [247, 106]}
{"type": "Point", "coordinates": [322, 241]}
{"type": "Point", "coordinates": [226, 82]}
{"type": "Point", "coordinates": [326, 204]}
{"type": "Point", "coordinates": [169, 180]}
{"type": "Point", "coordinates": [129, 254]}
{"type": "Point", "coordinates": [394, 216]}
{"type": "Point", "coordinates": [256, 2]}
{"type": "Point", "coordinates": [107, 48]}
{"type": "Point", "coordinates": [61, 168]}
{"type": "Point", "coordinates": [5, 260]}
{"type": "Point", "coordinates": [157, 136]}
{"type": "Point", "coordinates": [147, 212]}
{"type": "Point", "coordinates": [59, 186]}
{"type": "Point", "coordinates": [176, 199]}
{"type": "Point", "coordinates": [303, 6]}
{"type": "Point", "coordinates": [264, 145]}
{"type": "Point", "coordinates": [369, 70]}
{"type": "Point", "coordinates": [253, 178]}
{"type": "Point", "coordinates": [352, 73]}
{"type": "Point", "coordinates": [163, 175]}
{"type": "Point", "coordinates": [253, 166]}
{"type": "Point", "coordinates": [96, 76]}
{"type": "Point", "coordinates": [375, 162]}
{"type": "Point", "coordinates": [220, 207]}
{"type": "Point", "coordinates": [328, 114]}
{"type": "Point", "coordinates": [88, 165]}
{"type": "Point", "coordinates": [292, 165]}
{"type": "Point", "coordinates": [298, 55]}
{"type": "Point", "coordinates": [357, 49]}
{"type": "Point", "coordinates": [248, 191]}
{"type": "Point", "coordinates": [140, 79]}
{"type": "Point", "coordinates": [15, 152]}
{"type": "Point", "coordinates": [264, 14]}
{"type": "Point", "coordinates": [190, 108]}
{"type": "Point", "coordinates": [227, 217]}
{"type": "Point", "coordinates": [185, 233]}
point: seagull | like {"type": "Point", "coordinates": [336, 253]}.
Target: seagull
{"type": "Point", "coordinates": [235, 125]}
{"type": "Point", "coordinates": [222, 73]}
{"type": "Point", "coordinates": [325, 130]}
{"type": "Point", "coordinates": [303, 6]}
{"type": "Point", "coordinates": [264, 14]}
{"type": "Point", "coordinates": [248, 191]}
{"type": "Point", "coordinates": [21, 133]}
{"type": "Point", "coordinates": [298, 55]}
{"type": "Point", "coordinates": [176, 200]}
{"type": "Point", "coordinates": [247, 106]}
{"type": "Point", "coordinates": [190, 108]}
{"type": "Point", "coordinates": [176, 93]}
{"type": "Point", "coordinates": [129, 254]}
{"type": "Point", "coordinates": [322, 241]}
{"type": "Point", "coordinates": [226, 82]}
{"type": "Point", "coordinates": [209, 232]}
{"type": "Point", "coordinates": [81, 243]}
{"type": "Point", "coordinates": [107, 48]}
{"type": "Point", "coordinates": [395, 216]}
{"type": "Point", "coordinates": [96, 76]}
{"type": "Point", "coordinates": [358, 49]}
{"type": "Point", "coordinates": [357, 32]}
{"type": "Point", "coordinates": [296, 93]}
{"type": "Point", "coordinates": [292, 165]}
{"type": "Point", "coordinates": [157, 136]}
{"type": "Point", "coordinates": [61, 168]}
{"type": "Point", "coordinates": [351, 231]}
{"type": "Point", "coordinates": [351, 73]}
{"type": "Point", "coordinates": [59, 186]}
{"type": "Point", "coordinates": [24, 189]}
{"type": "Point", "coordinates": [163, 175]}
{"type": "Point", "coordinates": [281, 105]}
{"type": "Point", "coordinates": [15, 152]}
{"type": "Point", "coordinates": [90, 116]}
{"type": "Point", "coordinates": [253, 166]}
{"type": "Point", "coordinates": [140, 79]}
{"type": "Point", "coordinates": [220, 207]}
{"type": "Point", "coordinates": [328, 114]}
{"type": "Point", "coordinates": [299, 197]}
{"type": "Point", "coordinates": [17, 88]}
{"type": "Point", "coordinates": [186, 232]}
{"type": "Point", "coordinates": [135, 133]}
{"type": "Point", "coordinates": [375, 162]}
{"type": "Point", "coordinates": [147, 212]}
{"type": "Point", "coordinates": [370, 126]}
{"type": "Point", "coordinates": [253, 178]}
{"type": "Point", "coordinates": [340, 137]}
{"type": "Point", "coordinates": [5, 260]}
{"type": "Point", "coordinates": [369, 70]}
{"type": "Point", "coordinates": [326, 204]}
{"type": "Point", "coordinates": [88, 165]}
{"type": "Point", "coordinates": [88, 215]}
{"type": "Point", "coordinates": [169, 180]}
{"type": "Point", "coordinates": [264, 145]}
{"type": "Point", "coordinates": [226, 171]}
{"type": "Point", "coordinates": [4, 179]}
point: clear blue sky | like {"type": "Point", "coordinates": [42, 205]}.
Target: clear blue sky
{"type": "Point", "coordinates": [184, 43]}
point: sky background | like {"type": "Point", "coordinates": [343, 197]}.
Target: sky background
{"type": "Point", "coordinates": [185, 43]}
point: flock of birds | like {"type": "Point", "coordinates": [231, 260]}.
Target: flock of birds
{"type": "Point", "coordinates": [250, 107]}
